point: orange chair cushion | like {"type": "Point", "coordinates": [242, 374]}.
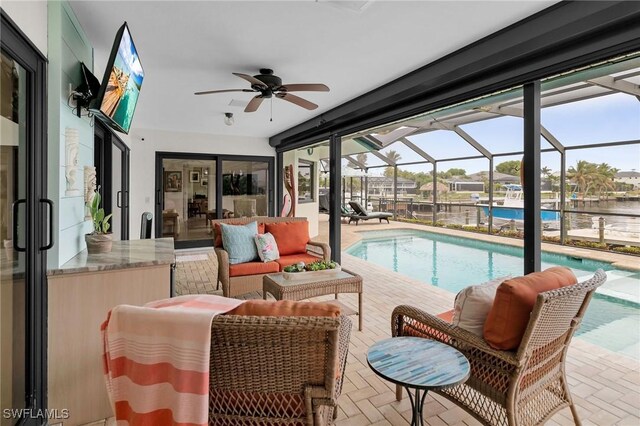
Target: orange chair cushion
{"type": "Point", "coordinates": [295, 258]}
{"type": "Point", "coordinates": [252, 268]}
{"type": "Point", "coordinates": [217, 231]}
{"type": "Point", "coordinates": [291, 237]}
{"type": "Point", "coordinates": [286, 308]}
{"type": "Point", "coordinates": [446, 316]}
{"type": "Point", "coordinates": [515, 298]}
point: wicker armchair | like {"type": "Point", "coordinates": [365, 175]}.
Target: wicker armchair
{"type": "Point", "coordinates": [276, 370]}
{"type": "Point", "coordinates": [525, 387]}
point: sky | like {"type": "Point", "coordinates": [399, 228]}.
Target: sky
{"type": "Point", "coordinates": [604, 119]}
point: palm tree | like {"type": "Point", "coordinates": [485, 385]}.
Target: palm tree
{"type": "Point", "coordinates": [547, 173]}
{"type": "Point", "coordinates": [393, 156]}
{"type": "Point", "coordinates": [604, 180]}
{"type": "Point", "coordinates": [362, 158]}
{"type": "Point", "coordinates": [584, 175]}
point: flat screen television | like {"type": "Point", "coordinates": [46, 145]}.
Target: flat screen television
{"type": "Point", "coordinates": [120, 88]}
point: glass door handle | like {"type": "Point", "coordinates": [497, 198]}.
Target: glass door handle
{"type": "Point", "coordinates": [14, 217]}
{"type": "Point", "coordinates": [126, 199]}
{"type": "Point", "coordinates": [118, 197]}
{"type": "Point", "coordinates": [50, 204]}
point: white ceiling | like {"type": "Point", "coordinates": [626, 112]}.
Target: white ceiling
{"type": "Point", "coordinates": [353, 47]}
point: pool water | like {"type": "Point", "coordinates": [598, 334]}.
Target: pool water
{"type": "Point", "coordinates": [453, 263]}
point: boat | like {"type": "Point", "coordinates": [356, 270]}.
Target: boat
{"type": "Point", "coordinates": [513, 207]}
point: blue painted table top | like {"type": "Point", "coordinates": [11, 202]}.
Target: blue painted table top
{"type": "Point", "coordinates": [418, 363]}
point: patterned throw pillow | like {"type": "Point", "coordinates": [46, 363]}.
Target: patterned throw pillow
{"type": "Point", "coordinates": [267, 247]}
{"type": "Point", "coordinates": [238, 241]}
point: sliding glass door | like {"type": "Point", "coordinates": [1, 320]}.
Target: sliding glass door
{"type": "Point", "coordinates": [188, 198]}
{"type": "Point", "coordinates": [245, 188]}
{"type": "Point", "coordinates": [111, 157]}
{"type": "Point", "coordinates": [25, 228]}
{"type": "Point", "coordinates": [192, 189]}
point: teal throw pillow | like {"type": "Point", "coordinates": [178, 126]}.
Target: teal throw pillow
{"type": "Point", "coordinates": [267, 247]}
{"type": "Point", "coordinates": [238, 241]}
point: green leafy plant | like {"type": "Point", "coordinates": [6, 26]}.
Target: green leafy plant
{"type": "Point", "coordinates": [100, 221]}
{"type": "Point", "coordinates": [319, 265]}
{"type": "Point", "coordinates": [627, 250]}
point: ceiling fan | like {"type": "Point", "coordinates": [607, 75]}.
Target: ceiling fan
{"type": "Point", "coordinates": [268, 85]}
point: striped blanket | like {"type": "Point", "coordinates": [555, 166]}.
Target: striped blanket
{"type": "Point", "coordinates": [156, 359]}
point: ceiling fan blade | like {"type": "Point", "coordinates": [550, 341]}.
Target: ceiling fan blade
{"type": "Point", "coordinates": [254, 81]}
{"type": "Point", "coordinates": [254, 104]}
{"type": "Point", "coordinates": [304, 88]}
{"type": "Point", "coordinates": [297, 100]}
{"type": "Point", "coordinates": [208, 92]}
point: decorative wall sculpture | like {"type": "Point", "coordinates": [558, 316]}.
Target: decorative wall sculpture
{"type": "Point", "coordinates": [289, 204]}
{"type": "Point", "coordinates": [71, 141]}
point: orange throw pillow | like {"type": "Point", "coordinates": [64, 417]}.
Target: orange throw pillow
{"type": "Point", "coordinates": [291, 237]}
{"type": "Point", "coordinates": [515, 298]}
{"type": "Point", "coordinates": [286, 308]}
{"type": "Point", "coordinates": [217, 231]}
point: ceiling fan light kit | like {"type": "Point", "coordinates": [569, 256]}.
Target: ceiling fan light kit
{"type": "Point", "coordinates": [269, 85]}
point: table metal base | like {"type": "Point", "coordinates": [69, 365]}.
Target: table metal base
{"type": "Point", "coordinates": [417, 402]}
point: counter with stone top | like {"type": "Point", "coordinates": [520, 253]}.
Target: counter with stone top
{"type": "Point", "coordinates": [123, 255]}
{"type": "Point", "coordinates": [80, 295]}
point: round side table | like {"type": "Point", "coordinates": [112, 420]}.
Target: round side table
{"type": "Point", "coordinates": [418, 365]}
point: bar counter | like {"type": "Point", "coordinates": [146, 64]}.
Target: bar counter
{"type": "Point", "coordinates": [124, 254]}
{"type": "Point", "coordinates": [80, 295]}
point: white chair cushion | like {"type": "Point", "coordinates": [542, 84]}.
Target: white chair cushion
{"type": "Point", "coordinates": [473, 304]}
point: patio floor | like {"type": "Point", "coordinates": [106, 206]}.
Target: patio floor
{"type": "Point", "coordinates": [605, 385]}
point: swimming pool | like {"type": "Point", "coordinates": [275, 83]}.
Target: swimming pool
{"type": "Point", "coordinates": [453, 263]}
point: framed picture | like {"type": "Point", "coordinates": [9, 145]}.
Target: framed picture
{"type": "Point", "coordinates": [194, 176]}
{"type": "Point", "coordinates": [204, 181]}
{"type": "Point", "coordinates": [173, 181]}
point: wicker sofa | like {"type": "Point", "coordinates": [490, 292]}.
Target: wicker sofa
{"type": "Point", "coordinates": [247, 277]}
{"type": "Point", "coordinates": [268, 370]}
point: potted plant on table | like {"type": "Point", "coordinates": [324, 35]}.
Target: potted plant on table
{"type": "Point", "coordinates": [314, 269]}
{"type": "Point", "coordinates": [100, 240]}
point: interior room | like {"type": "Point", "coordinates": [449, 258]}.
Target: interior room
{"type": "Point", "coordinates": [319, 212]}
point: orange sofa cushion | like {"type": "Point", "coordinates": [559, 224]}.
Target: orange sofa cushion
{"type": "Point", "coordinates": [286, 308]}
{"type": "Point", "coordinates": [295, 258]}
{"type": "Point", "coordinates": [217, 231]}
{"type": "Point", "coordinates": [291, 237]}
{"type": "Point", "coordinates": [515, 298]}
{"type": "Point", "coordinates": [253, 268]}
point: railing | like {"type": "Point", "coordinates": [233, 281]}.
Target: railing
{"type": "Point", "coordinates": [593, 229]}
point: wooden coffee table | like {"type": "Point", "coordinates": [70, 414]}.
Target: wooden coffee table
{"type": "Point", "coordinates": [335, 283]}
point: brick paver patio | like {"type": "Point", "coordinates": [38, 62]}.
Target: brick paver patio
{"type": "Point", "coordinates": [605, 385]}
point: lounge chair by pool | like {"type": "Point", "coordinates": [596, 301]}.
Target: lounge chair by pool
{"type": "Point", "coordinates": [362, 214]}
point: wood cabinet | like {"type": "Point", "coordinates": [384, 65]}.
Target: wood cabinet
{"type": "Point", "coordinates": [78, 303]}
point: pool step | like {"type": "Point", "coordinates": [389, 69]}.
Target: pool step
{"type": "Point", "coordinates": [623, 285]}
{"type": "Point", "coordinates": [616, 336]}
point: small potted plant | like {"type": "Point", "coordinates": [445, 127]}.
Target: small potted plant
{"type": "Point", "coordinates": [100, 240]}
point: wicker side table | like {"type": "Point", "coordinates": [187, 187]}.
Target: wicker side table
{"type": "Point", "coordinates": [335, 283]}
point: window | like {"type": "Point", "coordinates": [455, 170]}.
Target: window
{"type": "Point", "coordinates": [305, 181]}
